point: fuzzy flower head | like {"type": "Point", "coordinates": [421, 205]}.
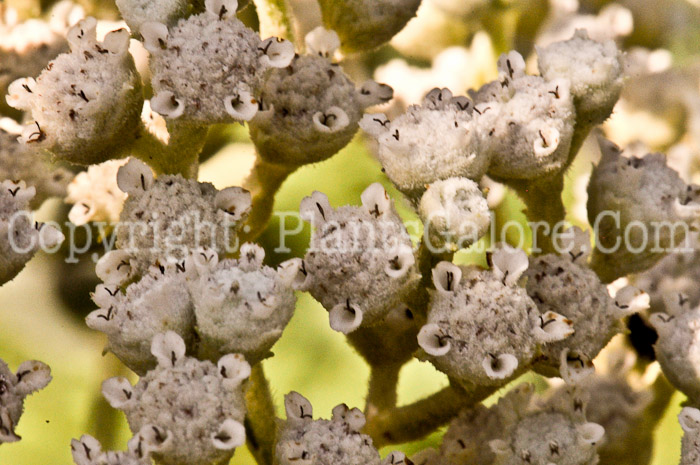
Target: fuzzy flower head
{"type": "Point", "coordinates": [563, 284]}
{"type": "Point", "coordinates": [167, 218]}
{"type": "Point", "coordinates": [554, 432]}
{"type": "Point", "coordinates": [430, 142]}
{"type": "Point", "coordinates": [130, 319]}
{"type": "Point", "coordinates": [455, 213]}
{"type": "Point", "coordinates": [305, 441]}
{"type": "Point", "coordinates": [86, 102]}
{"type": "Point", "coordinates": [19, 161]}
{"type": "Point", "coordinates": [482, 327]}
{"type": "Point", "coordinates": [95, 194]}
{"type": "Point", "coordinates": [209, 68]}
{"type": "Point", "coordinates": [311, 109]}
{"type": "Point", "coordinates": [240, 305]}
{"type": "Point", "coordinates": [468, 435]}
{"type": "Point", "coordinates": [678, 346]}
{"type": "Point", "coordinates": [366, 24]}
{"type": "Point", "coordinates": [525, 122]}
{"type": "Point", "coordinates": [195, 408]}
{"type": "Point", "coordinates": [594, 70]}
{"type": "Point", "coordinates": [652, 210]}
{"type": "Point", "coordinates": [360, 262]}
{"type": "Point", "coordinates": [622, 407]}
{"type": "Point", "coordinates": [14, 387]}
{"type": "Point", "coordinates": [20, 236]}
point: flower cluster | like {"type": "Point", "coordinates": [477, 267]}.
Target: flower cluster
{"type": "Point", "coordinates": [31, 376]}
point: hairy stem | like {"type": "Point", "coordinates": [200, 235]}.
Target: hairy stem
{"type": "Point", "coordinates": [260, 421]}
{"type": "Point", "coordinates": [414, 421]}
{"type": "Point", "coordinates": [179, 156]}
{"type": "Point", "coordinates": [275, 18]}
{"type": "Point", "coordinates": [263, 182]}
{"type": "Point", "coordinates": [383, 381]}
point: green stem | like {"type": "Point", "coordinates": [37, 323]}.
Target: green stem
{"type": "Point", "coordinates": [263, 182]}
{"type": "Point", "coordinates": [275, 18]}
{"type": "Point", "coordinates": [103, 417]}
{"type": "Point", "coordinates": [179, 156]}
{"type": "Point", "coordinates": [260, 422]}
{"type": "Point", "coordinates": [415, 421]}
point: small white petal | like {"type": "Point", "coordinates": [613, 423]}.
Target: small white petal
{"type": "Point", "coordinates": [298, 407]}
{"type": "Point", "coordinates": [339, 412]}
{"type": "Point", "coordinates": [114, 267]}
{"type": "Point", "coordinates": [462, 103]}
{"type": "Point", "coordinates": [509, 264]}
{"type": "Point", "coordinates": [86, 450]}
{"type": "Point", "coordinates": [395, 458]}
{"type": "Point", "coordinates": [104, 296]}
{"type": "Point", "coordinates": [235, 201]}
{"type": "Point", "coordinates": [376, 200]}
{"type": "Point", "coordinates": [293, 273]}
{"type": "Point", "coordinates": [231, 434]}
{"type": "Point", "coordinates": [166, 104]}
{"type": "Point", "coordinates": [315, 208]}
{"type": "Point", "coordinates": [355, 419]}
{"type": "Point", "coordinates": [630, 300]}
{"type": "Point", "coordinates": [374, 93]}
{"type": "Point", "coordinates": [117, 391]}
{"type": "Point", "coordinates": [242, 106]}
{"type": "Point", "coordinates": [83, 33]}
{"type": "Point", "coordinates": [332, 120]}
{"type": "Point", "coordinates": [323, 42]}
{"type": "Point", "coordinates": [252, 256]}
{"type": "Point", "coordinates": [278, 53]}
{"type": "Point", "coordinates": [32, 133]}
{"type": "Point", "coordinates": [546, 141]}
{"type": "Point", "coordinates": [345, 317]}
{"type": "Point", "coordinates": [49, 236]}
{"type": "Point", "coordinates": [155, 36]}
{"type": "Point", "coordinates": [32, 375]}
{"type": "Point", "coordinates": [375, 124]}
{"type": "Point", "coordinates": [574, 369]}
{"type": "Point", "coordinates": [81, 213]}
{"type": "Point", "coordinates": [223, 9]}
{"type": "Point", "coordinates": [553, 327]}
{"type": "Point", "coordinates": [438, 97]}
{"type": "Point", "coordinates": [400, 264]}
{"type": "Point", "coordinates": [202, 260]}
{"type": "Point", "coordinates": [20, 93]}
{"type": "Point", "coordinates": [168, 348]}
{"type": "Point", "coordinates": [135, 177]}
{"type": "Point", "coordinates": [434, 340]}
{"type": "Point", "coordinates": [446, 276]}
{"type": "Point", "coordinates": [499, 366]}
{"type": "Point", "coordinates": [19, 190]}
{"type": "Point", "coordinates": [149, 439]}
{"type": "Point", "coordinates": [293, 453]}
{"type": "Point", "coordinates": [117, 42]}
{"type": "Point", "coordinates": [234, 369]}
{"type": "Point", "coordinates": [660, 320]}
{"type": "Point", "coordinates": [689, 419]}
{"type": "Point", "coordinates": [590, 433]}
{"type": "Point", "coordinates": [511, 65]}
{"type": "Point", "coordinates": [100, 319]}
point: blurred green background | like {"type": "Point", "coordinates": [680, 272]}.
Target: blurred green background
{"type": "Point", "coordinates": [310, 358]}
